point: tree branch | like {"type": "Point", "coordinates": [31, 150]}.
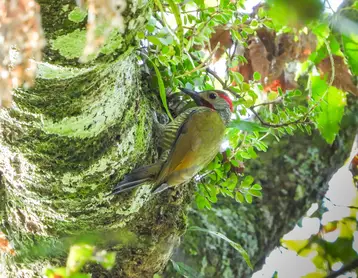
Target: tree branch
{"type": "Point", "coordinates": [351, 266]}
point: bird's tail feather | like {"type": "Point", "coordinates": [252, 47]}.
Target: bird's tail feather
{"type": "Point", "coordinates": [119, 188]}
{"type": "Point", "coordinates": [137, 177]}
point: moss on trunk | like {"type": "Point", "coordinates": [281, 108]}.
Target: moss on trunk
{"type": "Point", "coordinates": [68, 140]}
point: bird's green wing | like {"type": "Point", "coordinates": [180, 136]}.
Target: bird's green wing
{"type": "Point", "coordinates": [171, 130]}
{"type": "Point", "coordinates": [196, 144]}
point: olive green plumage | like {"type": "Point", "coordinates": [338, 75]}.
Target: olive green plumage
{"type": "Point", "coordinates": [188, 143]}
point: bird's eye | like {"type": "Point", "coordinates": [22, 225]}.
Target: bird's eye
{"type": "Point", "coordinates": [212, 96]}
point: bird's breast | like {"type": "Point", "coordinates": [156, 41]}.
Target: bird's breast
{"type": "Point", "coordinates": [201, 143]}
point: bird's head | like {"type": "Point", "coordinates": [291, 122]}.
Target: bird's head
{"type": "Point", "coordinates": [214, 99]}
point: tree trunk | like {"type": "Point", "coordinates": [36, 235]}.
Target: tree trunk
{"type": "Point", "coordinates": [294, 173]}
{"type": "Point", "coordinates": [68, 140]}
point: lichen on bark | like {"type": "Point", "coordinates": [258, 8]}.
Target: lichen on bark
{"type": "Point", "coordinates": [68, 140]}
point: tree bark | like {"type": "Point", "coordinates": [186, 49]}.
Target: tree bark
{"type": "Point", "coordinates": [294, 173]}
{"type": "Point", "coordinates": [68, 140]}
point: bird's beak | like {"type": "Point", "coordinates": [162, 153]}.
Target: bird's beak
{"type": "Point", "coordinates": [194, 95]}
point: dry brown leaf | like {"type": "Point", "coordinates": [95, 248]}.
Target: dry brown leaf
{"type": "Point", "coordinates": [267, 37]}
{"type": "Point", "coordinates": [221, 35]}
{"type": "Point", "coordinates": [269, 55]}
{"type": "Point", "coordinates": [22, 36]}
{"type": "Point", "coordinates": [245, 70]}
{"type": "Point", "coordinates": [258, 58]}
{"type": "Point", "coordinates": [5, 245]}
{"type": "Point", "coordinates": [286, 45]}
{"type": "Point", "coordinates": [342, 76]}
{"type": "Point", "coordinates": [285, 82]}
{"type": "Point", "coordinates": [307, 43]}
{"type": "Point", "coordinates": [285, 52]}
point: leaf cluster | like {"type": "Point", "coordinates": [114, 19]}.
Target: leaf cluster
{"type": "Point", "coordinates": [285, 76]}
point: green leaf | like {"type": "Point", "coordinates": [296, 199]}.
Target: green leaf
{"type": "Point", "coordinates": [78, 256]}
{"type": "Point", "coordinates": [295, 245]}
{"type": "Point", "coordinates": [154, 40]}
{"type": "Point", "coordinates": [322, 52]}
{"type": "Point", "coordinates": [248, 198]}
{"type": "Point", "coordinates": [185, 270]}
{"type": "Point", "coordinates": [330, 108]}
{"type": "Point", "coordinates": [295, 11]}
{"type": "Point", "coordinates": [239, 197]}
{"type": "Point", "coordinates": [163, 95]}
{"type": "Point", "coordinates": [150, 28]}
{"type": "Point", "coordinates": [252, 152]}
{"type": "Point", "coordinates": [237, 77]}
{"type": "Point", "coordinates": [272, 96]}
{"type": "Point", "coordinates": [247, 126]}
{"type": "Point", "coordinates": [202, 202]}
{"type": "Point", "coordinates": [236, 35]}
{"type": "Point", "coordinates": [255, 193]}
{"type": "Point", "coordinates": [256, 187]}
{"type": "Point", "coordinates": [176, 13]}
{"type": "Point", "coordinates": [209, 191]}
{"type": "Point", "coordinates": [227, 192]}
{"type": "Point", "coordinates": [140, 35]}
{"type": "Point", "coordinates": [257, 76]}
{"type": "Point", "coordinates": [350, 45]}
{"type": "Point", "coordinates": [248, 180]}
{"type": "Point", "coordinates": [254, 23]}
{"type": "Point", "coordinates": [235, 245]}
{"type": "Point", "coordinates": [55, 272]}
{"type": "Point", "coordinates": [245, 155]}
{"type": "Point", "coordinates": [77, 15]}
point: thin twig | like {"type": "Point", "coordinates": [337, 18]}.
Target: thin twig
{"type": "Point", "coordinates": [217, 77]}
{"type": "Point", "coordinates": [329, 6]}
{"type": "Point", "coordinates": [351, 266]}
{"type": "Point", "coordinates": [340, 206]}
{"type": "Point", "coordinates": [200, 10]}
{"type": "Point", "coordinates": [202, 65]}
{"type": "Point", "coordinates": [332, 63]}
{"type": "Point", "coordinates": [279, 99]}
{"type": "Point", "coordinates": [302, 120]}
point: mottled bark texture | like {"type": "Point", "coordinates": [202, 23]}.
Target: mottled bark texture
{"type": "Point", "coordinates": [294, 173]}
{"type": "Point", "coordinates": [68, 140]}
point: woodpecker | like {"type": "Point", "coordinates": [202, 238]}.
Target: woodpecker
{"type": "Point", "coordinates": [189, 143]}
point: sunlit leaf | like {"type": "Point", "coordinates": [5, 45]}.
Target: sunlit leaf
{"type": "Point", "coordinates": [255, 193]}
{"type": "Point", "coordinates": [78, 256]}
{"type": "Point", "coordinates": [202, 202]}
{"type": "Point", "coordinates": [239, 197]}
{"type": "Point", "coordinates": [295, 12]}
{"type": "Point", "coordinates": [350, 44]}
{"type": "Point", "coordinates": [154, 40]}
{"type": "Point", "coordinates": [163, 95]}
{"type": "Point", "coordinates": [179, 31]}
{"type": "Point", "coordinates": [248, 198]}
{"type": "Point", "coordinates": [315, 275]}
{"type": "Point", "coordinates": [295, 245]}
{"type": "Point", "coordinates": [331, 103]}
{"type": "Point", "coordinates": [257, 76]}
